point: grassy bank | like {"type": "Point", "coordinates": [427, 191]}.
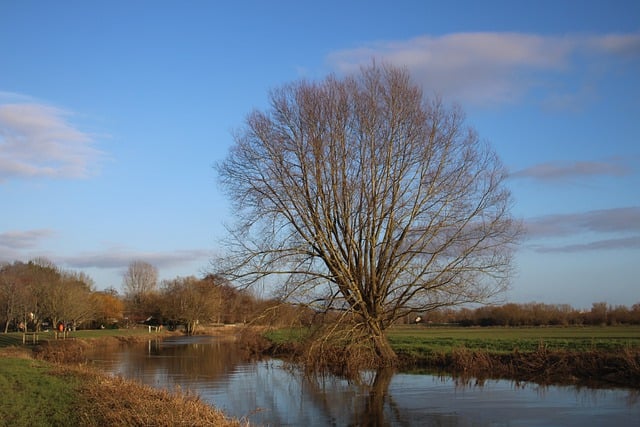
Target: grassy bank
{"type": "Point", "coordinates": [38, 392]}
{"type": "Point", "coordinates": [591, 355]}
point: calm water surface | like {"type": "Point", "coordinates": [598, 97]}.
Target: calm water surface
{"type": "Point", "coordinates": [273, 393]}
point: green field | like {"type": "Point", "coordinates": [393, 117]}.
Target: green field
{"type": "Point", "coordinates": [424, 340]}
{"type": "Point", "coordinates": [417, 338]}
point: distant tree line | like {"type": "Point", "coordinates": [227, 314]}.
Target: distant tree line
{"type": "Point", "coordinates": [536, 314]}
{"type": "Point", "coordinates": [38, 295]}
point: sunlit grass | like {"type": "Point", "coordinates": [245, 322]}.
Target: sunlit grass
{"type": "Point", "coordinates": [420, 339]}
{"type": "Point", "coordinates": [35, 397]}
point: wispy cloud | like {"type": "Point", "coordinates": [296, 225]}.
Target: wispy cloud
{"type": "Point", "coordinates": [632, 242]}
{"type": "Point", "coordinates": [25, 245]}
{"type": "Point", "coordinates": [493, 68]}
{"type": "Point", "coordinates": [38, 140]}
{"type": "Point", "coordinates": [619, 228]}
{"type": "Point", "coordinates": [555, 171]}
{"type": "Point", "coordinates": [23, 239]}
{"type": "Point", "coordinates": [616, 220]}
{"type": "Point", "coordinates": [120, 259]}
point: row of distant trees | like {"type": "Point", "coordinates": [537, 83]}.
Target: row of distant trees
{"type": "Point", "coordinates": [187, 301]}
{"type": "Point", "coordinates": [38, 294]}
{"type": "Point", "coordinates": [537, 314]}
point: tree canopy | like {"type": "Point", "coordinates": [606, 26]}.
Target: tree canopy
{"type": "Point", "coordinates": [366, 197]}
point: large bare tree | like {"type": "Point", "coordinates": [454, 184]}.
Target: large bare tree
{"type": "Point", "coordinates": [368, 198]}
{"type": "Point", "coordinates": [140, 280]}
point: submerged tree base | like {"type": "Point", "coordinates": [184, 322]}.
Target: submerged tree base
{"type": "Point", "coordinates": [345, 350]}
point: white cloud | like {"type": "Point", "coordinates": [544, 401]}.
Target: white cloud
{"type": "Point", "coordinates": [15, 244]}
{"type": "Point", "coordinates": [37, 140]}
{"type": "Point", "coordinates": [632, 242]}
{"type": "Point", "coordinates": [605, 229]}
{"type": "Point", "coordinates": [554, 171]}
{"type": "Point", "coordinates": [119, 259]}
{"type": "Point", "coordinates": [491, 68]}
{"type": "Point", "coordinates": [616, 220]}
{"type": "Point", "coordinates": [622, 45]}
{"type": "Point", "coordinates": [23, 239]}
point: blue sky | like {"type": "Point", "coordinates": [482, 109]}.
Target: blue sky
{"type": "Point", "coordinates": [112, 115]}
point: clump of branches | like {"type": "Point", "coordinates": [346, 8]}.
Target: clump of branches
{"type": "Point", "coordinates": [340, 346]}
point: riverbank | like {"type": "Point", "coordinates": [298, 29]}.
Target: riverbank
{"type": "Point", "coordinates": [591, 356]}
{"type": "Point", "coordinates": [43, 386]}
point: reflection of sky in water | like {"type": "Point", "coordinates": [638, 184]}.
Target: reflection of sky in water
{"type": "Point", "coordinates": [268, 392]}
{"type": "Point", "coordinates": [278, 397]}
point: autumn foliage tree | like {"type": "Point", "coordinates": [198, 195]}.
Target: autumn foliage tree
{"type": "Point", "coordinates": [360, 196]}
{"type": "Point", "coordinates": [109, 307]}
{"type": "Point", "coordinates": [38, 291]}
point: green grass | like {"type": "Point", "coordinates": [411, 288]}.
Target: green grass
{"type": "Point", "coordinates": [33, 395]}
{"type": "Point", "coordinates": [423, 340]}
{"type": "Point", "coordinates": [12, 338]}
{"type": "Point", "coordinates": [287, 335]}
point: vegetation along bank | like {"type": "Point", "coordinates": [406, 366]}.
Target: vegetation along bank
{"type": "Point", "coordinates": [603, 356]}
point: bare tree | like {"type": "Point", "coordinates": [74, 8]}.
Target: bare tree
{"type": "Point", "coordinates": [191, 301]}
{"type": "Point", "coordinates": [365, 197]}
{"type": "Point", "coordinates": [140, 279]}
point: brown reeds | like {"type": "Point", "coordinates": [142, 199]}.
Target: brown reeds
{"type": "Point", "coordinates": [61, 351]}
{"type": "Point", "coordinates": [338, 349]}
{"type": "Point", "coordinates": [596, 367]}
{"type": "Point", "coordinates": [114, 401]}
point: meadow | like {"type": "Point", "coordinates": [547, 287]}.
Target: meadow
{"type": "Point", "coordinates": [420, 339]}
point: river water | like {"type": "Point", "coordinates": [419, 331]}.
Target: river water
{"type": "Point", "coordinates": [271, 392]}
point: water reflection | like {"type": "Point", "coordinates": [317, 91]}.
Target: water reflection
{"type": "Point", "coordinates": [272, 392]}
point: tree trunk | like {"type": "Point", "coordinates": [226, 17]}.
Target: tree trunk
{"type": "Point", "coordinates": [386, 356]}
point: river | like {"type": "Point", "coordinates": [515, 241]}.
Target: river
{"type": "Point", "coordinates": [272, 392]}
